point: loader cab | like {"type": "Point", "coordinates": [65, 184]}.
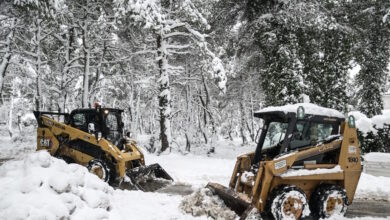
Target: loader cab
{"type": "Point", "coordinates": [287, 131]}
{"type": "Point", "coordinates": [107, 121]}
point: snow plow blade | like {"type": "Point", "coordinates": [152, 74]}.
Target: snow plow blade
{"type": "Point", "coordinates": [231, 199]}
{"type": "Point", "coordinates": [148, 178]}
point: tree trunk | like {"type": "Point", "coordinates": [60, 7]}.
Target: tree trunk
{"type": "Point", "coordinates": [242, 124]}
{"type": "Point", "coordinates": [6, 58]}
{"type": "Point", "coordinates": [87, 54]}
{"type": "Point", "coordinates": [252, 129]}
{"type": "Point", "coordinates": [188, 121]}
{"type": "Point", "coordinates": [65, 71]}
{"type": "Point", "coordinates": [38, 98]}
{"type": "Point", "coordinates": [165, 94]}
{"type": "Point", "coordinates": [11, 108]}
{"type": "Point", "coordinates": [137, 114]}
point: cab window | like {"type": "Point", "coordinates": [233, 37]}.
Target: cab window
{"type": "Point", "coordinates": [309, 133]}
{"type": "Point", "coordinates": [79, 119]}
{"type": "Point", "coordinates": [112, 122]}
{"type": "Point", "coordinates": [275, 134]}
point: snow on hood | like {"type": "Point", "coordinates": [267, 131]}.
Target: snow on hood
{"type": "Point", "coordinates": [307, 172]}
{"type": "Point", "coordinates": [310, 109]}
{"type": "Point", "coordinates": [42, 187]}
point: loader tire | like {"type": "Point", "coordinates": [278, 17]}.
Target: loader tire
{"type": "Point", "coordinates": [328, 200]}
{"type": "Point", "coordinates": [101, 169]}
{"type": "Point", "coordinates": [287, 202]}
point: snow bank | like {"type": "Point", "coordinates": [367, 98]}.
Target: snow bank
{"type": "Point", "coordinates": [377, 157]}
{"type": "Point", "coordinates": [365, 124]}
{"type": "Point", "coordinates": [42, 187]}
{"type": "Point", "coordinates": [373, 187]}
{"type": "Point", "coordinates": [310, 109]}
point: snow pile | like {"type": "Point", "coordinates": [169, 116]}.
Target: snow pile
{"type": "Point", "coordinates": [310, 109]}
{"type": "Point", "coordinates": [373, 187]}
{"type": "Point", "coordinates": [306, 172]}
{"type": "Point", "coordinates": [377, 157]}
{"type": "Point", "coordinates": [43, 187]}
{"type": "Point", "coordinates": [203, 202]}
{"type": "Point", "coordinates": [365, 124]}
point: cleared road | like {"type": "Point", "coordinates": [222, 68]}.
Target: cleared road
{"type": "Point", "coordinates": [372, 208]}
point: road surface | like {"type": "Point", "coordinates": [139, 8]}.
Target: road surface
{"type": "Point", "coordinates": [372, 208]}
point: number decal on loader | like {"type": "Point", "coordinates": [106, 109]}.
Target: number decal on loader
{"type": "Point", "coordinates": [352, 159]}
{"type": "Point", "coordinates": [45, 142]}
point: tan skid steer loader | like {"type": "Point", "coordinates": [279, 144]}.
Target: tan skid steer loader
{"type": "Point", "coordinates": [304, 163]}
{"type": "Point", "coordinates": [95, 138]}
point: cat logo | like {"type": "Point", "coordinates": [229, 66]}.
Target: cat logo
{"type": "Point", "coordinates": [45, 142]}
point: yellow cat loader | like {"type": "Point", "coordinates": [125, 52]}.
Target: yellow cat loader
{"type": "Point", "coordinates": [95, 138]}
{"type": "Point", "coordinates": [303, 164]}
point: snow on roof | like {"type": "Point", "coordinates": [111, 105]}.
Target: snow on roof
{"type": "Point", "coordinates": [310, 109]}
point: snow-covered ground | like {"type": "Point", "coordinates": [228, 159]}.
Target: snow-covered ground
{"type": "Point", "coordinates": [37, 186]}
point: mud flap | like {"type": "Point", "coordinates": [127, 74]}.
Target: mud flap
{"type": "Point", "coordinates": [232, 199]}
{"type": "Point", "coordinates": [147, 178]}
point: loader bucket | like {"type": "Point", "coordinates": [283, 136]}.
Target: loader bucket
{"type": "Point", "coordinates": [231, 199]}
{"type": "Point", "coordinates": [149, 178]}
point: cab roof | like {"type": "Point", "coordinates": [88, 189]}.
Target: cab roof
{"type": "Point", "coordinates": [311, 110]}
{"type": "Point", "coordinates": [94, 109]}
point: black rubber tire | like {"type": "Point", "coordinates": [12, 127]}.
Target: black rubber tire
{"type": "Point", "coordinates": [320, 197]}
{"type": "Point", "coordinates": [277, 197]}
{"type": "Point", "coordinates": [106, 168]}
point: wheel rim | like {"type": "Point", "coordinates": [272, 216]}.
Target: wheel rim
{"type": "Point", "coordinates": [293, 207]}
{"type": "Point", "coordinates": [334, 204]}
{"type": "Point", "coordinates": [98, 171]}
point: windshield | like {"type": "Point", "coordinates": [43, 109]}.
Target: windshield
{"type": "Point", "coordinates": [275, 134]}
{"type": "Point", "coordinates": [112, 122]}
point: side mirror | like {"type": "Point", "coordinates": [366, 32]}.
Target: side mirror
{"type": "Point", "coordinates": [91, 128]}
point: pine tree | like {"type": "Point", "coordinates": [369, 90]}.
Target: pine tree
{"type": "Point", "coordinates": [371, 52]}
{"type": "Point", "coordinates": [326, 50]}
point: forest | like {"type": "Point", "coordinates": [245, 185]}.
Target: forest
{"type": "Point", "coordinates": [192, 71]}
